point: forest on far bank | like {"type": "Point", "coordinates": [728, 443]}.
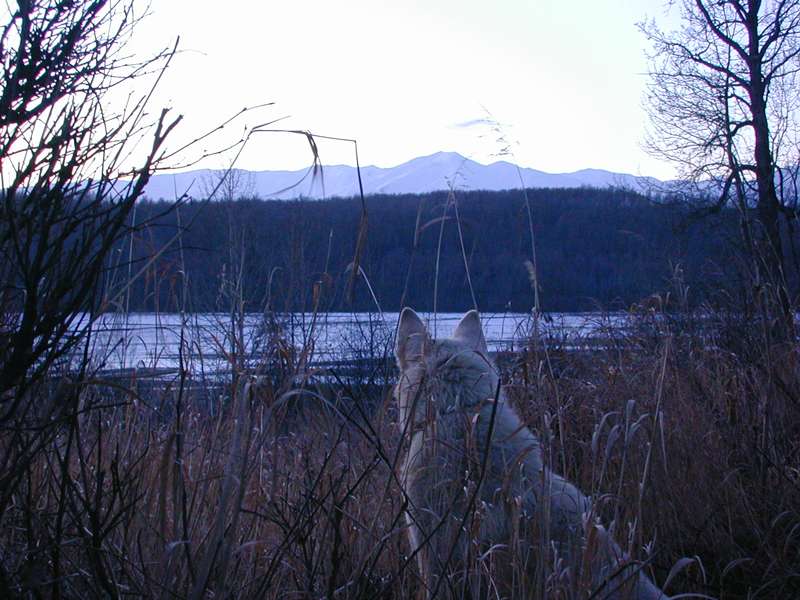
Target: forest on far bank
{"type": "Point", "coordinates": [595, 249]}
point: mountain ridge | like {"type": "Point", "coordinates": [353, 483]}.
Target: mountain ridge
{"type": "Point", "coordinates": [422, 174]}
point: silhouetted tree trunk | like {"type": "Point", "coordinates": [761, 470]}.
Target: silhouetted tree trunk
{"type": "Point", "coordinates": [721, 100]}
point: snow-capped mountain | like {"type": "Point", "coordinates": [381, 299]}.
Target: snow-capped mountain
{"type": "Point", "coordinates": [424, 174]}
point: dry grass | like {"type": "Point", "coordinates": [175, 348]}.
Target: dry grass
{"type": "Point", "coordinates": [690, 449]}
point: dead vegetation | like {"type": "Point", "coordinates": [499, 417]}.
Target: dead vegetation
{"type": "Point", "coordinates": [691, 454]}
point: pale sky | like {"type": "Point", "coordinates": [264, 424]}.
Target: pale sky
{"type": "Point", "coordinates": [565, 78]}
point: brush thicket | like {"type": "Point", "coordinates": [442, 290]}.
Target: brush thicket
{"type": "Point", "coordinates": [689, 449]}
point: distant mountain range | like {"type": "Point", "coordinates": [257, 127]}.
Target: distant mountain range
{"type": "Point", "coordinates": [424, 174]}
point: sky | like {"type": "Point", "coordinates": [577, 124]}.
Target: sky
{"type": "Point", "coordinates": [563, 79]}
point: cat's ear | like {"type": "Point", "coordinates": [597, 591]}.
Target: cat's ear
{"type": "Point", "coordinates": [469, 332]}
{"type": "Point", "coordinates": [412, 336]}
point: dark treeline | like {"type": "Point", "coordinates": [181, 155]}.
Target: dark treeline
{"type": "Point", "coordinates": [595, 249]}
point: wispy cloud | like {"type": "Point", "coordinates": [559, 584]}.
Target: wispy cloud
{"type": "Point", "coordinates": [471, 123]}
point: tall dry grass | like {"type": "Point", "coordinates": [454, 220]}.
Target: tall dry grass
{"type": "Point", "coordinates": [689, 447]}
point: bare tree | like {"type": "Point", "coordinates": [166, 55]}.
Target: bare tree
{"type": "Point", "coordinates": [723, 104]}
{"type": "Point", "coordinates": [230, 184]}
{"type": "Point", "coordinates": [77, 147]}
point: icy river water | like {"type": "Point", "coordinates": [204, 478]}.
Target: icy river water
{"type": "Point", "coordinates": [207, 341]}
